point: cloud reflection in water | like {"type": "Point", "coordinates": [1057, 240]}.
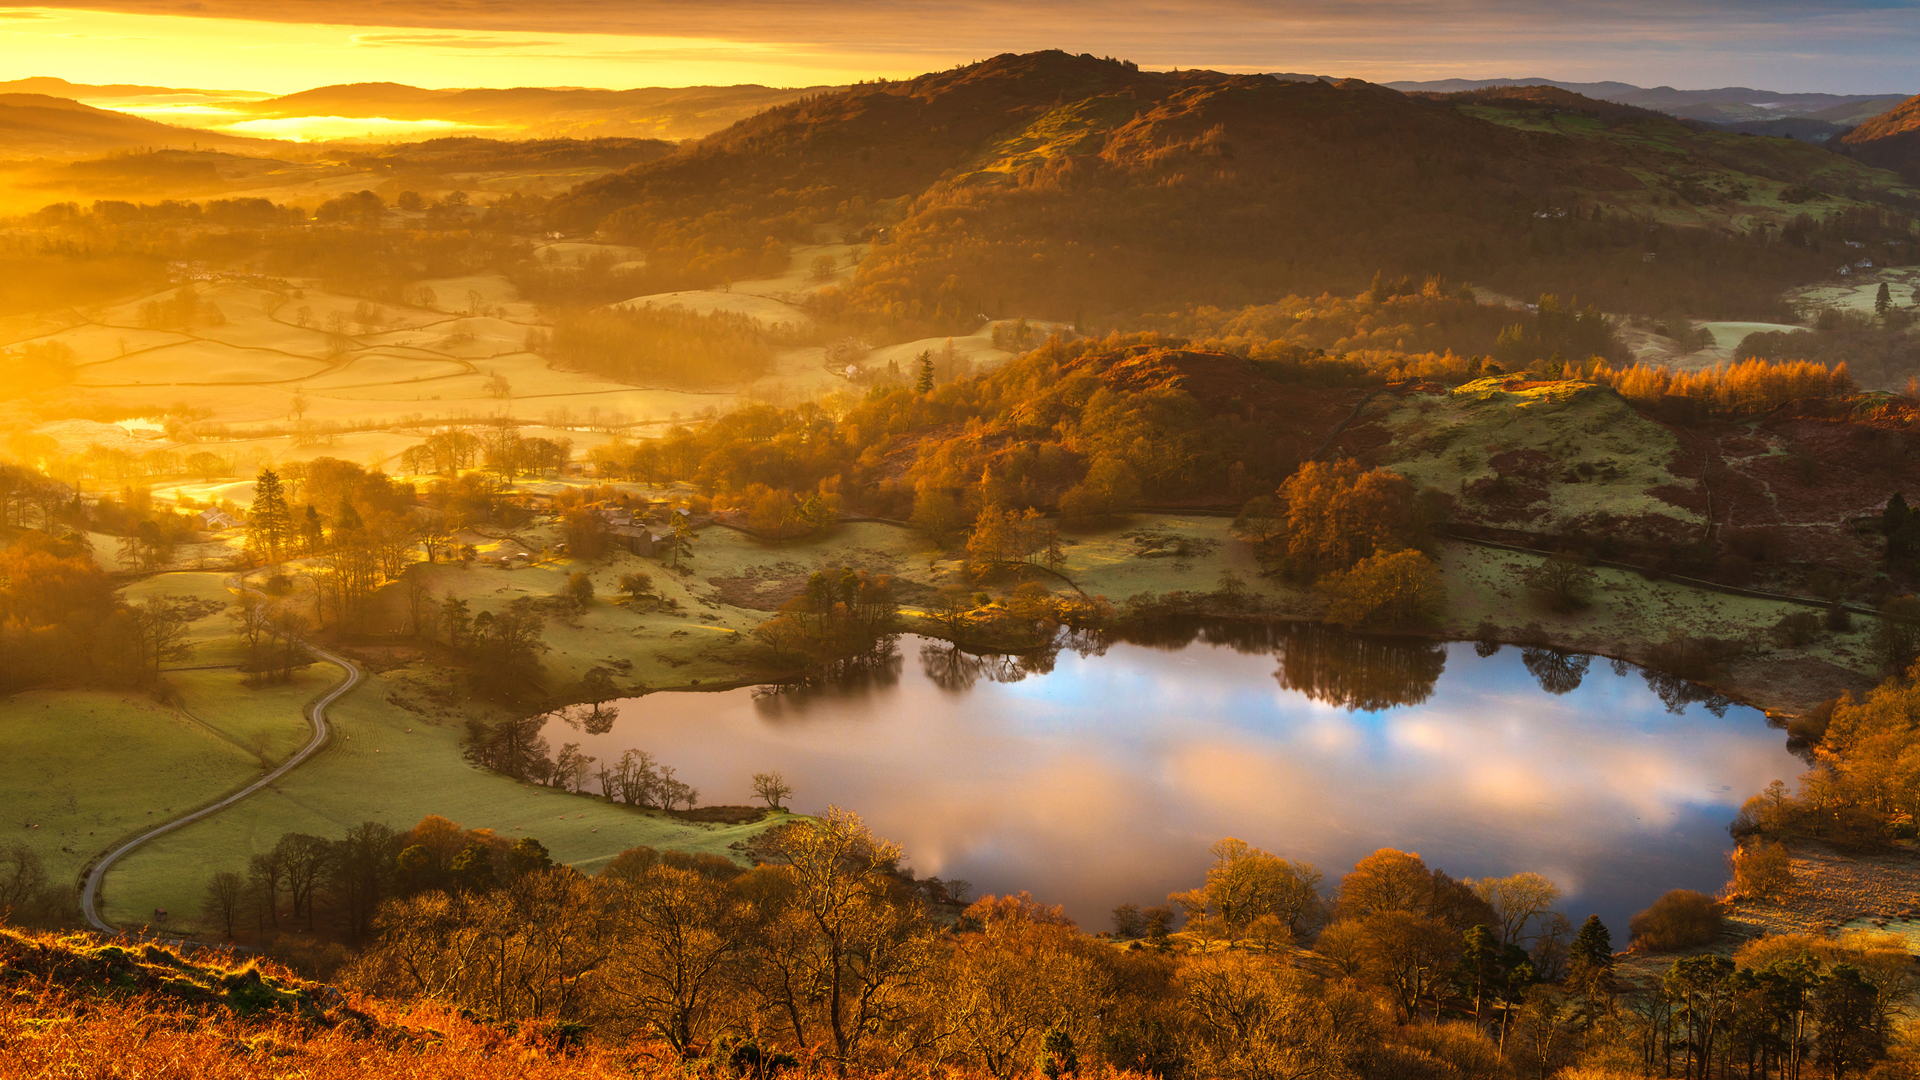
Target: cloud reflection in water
{"type": "Point", "coordinates": [1105, 779]}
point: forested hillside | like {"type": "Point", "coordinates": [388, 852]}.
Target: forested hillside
{"type": "Point", "coordinates": [1084, 189]}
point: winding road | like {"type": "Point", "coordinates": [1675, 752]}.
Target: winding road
{"type": "Point", "coordinates": [316, 715]}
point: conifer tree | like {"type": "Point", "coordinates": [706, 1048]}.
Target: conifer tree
{"type": "Point", "coordinates": [268, 522]}
{"type": "Point", "coordinates": [1882, 300]}
{"type": "Point", "coordinates": [925, 383]}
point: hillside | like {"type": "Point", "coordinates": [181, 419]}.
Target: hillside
{"type": "Point", "coordinates": [36, 125]}
{"type": "Point", "coordinates": [1726, 105]}
{"type": "Point", "coordinates": [1890, 140]}
{"type": "Point", "coordinates": [1071, 187]}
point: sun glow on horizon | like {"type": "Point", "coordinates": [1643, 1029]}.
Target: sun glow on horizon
{"type": "Point", "coordinates": [279, 58]}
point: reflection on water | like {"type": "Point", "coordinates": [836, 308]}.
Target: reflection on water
{"type": "Point", "coordinates": [1098, 771]}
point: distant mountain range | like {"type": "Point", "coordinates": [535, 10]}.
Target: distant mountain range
{"type": "Point", "coordinates": [38, 125]}
{"type": "Point", "coordinates": [1737, 108]}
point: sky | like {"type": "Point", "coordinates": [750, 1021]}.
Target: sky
{"type": "Point", "coordinates": [1838, 46]}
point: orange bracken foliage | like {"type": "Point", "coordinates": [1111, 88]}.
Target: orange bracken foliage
{"type": "Point", "coordinates": [1751, 386]}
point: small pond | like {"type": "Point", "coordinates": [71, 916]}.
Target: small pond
{"type": "Point", "coordinates": [1098, 775]}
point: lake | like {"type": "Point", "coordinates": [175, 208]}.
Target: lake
{"type": "Point", "coordinates": [1099, 776]}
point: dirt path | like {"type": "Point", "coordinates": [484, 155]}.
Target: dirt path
{"type": "Point", "coordinates": [316, 716]}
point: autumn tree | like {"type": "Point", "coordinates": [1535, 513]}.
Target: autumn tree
{"type": "Point", "coordinates": [1338, 514]}
{"type": "Point", "coordinates": [846, 953]}
{"type": "Point", "coordinates": [1386, 589]}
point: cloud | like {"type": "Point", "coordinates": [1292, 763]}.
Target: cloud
{"type": "Point", "coordinates": [26, 15]}
{"type": "Point", "coordinates": [449, 41]}
{"type": "Point", "coordinates": [1853, 45]}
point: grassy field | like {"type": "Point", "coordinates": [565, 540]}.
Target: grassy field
{"type": "Point", "coordinates": [87, 767]}
{"type": "Point", "coordinates": [389, 764]}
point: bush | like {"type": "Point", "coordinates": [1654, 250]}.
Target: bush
{"type": "Point", "coordinates": [1761, 870]}
{"type": "Point", "coordinates": [1797, 631]}
{"type": "Point", "coordinates": [1679, 920]}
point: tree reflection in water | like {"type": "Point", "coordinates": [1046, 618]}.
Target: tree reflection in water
{"type": "Point", "coordinates": [855, 676]}
{"type": "Point", "coordinates": [1360, 673]}
{"type": "Point", "coordinates": [1557, 671]}
{"type": "Point", "coordinates": [954, 669]}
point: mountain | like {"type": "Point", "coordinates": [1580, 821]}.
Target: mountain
{"type": "Point", "coordinates": [37, 125]}
{"type": "Point", "coordinates": [542, 112]}
{"type": "Point", "coordinates": [1726, 106]}
{"type": "Point", "coordinates": [45, 84]}
{"type": "Point", "coordinates": [1067, 186]}
{"type": "Point", "coordinates": [1890, 140]}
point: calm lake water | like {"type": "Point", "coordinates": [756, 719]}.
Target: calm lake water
{"type": "Point", "coordinates": [1100, 777]}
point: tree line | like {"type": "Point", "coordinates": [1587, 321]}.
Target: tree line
{"type": "Point", "coordinates": [828, 950]}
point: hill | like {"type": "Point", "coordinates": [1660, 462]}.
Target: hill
{"type": "Point", "coordinates": [37, 125]}
{"type": "Point", "coordinates": [540, 112]}
{"type": "Point", "coordinates": [1891, 140]}
{"type": "Point", "coordinates": [1725, 106]}
{"type": "Point", "coordinates": [1062, 186]}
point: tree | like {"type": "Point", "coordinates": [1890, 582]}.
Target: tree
{"type": "Point", "coordinates": [1338, 514]}
{"type": "Point", "coordinates": [852, 954]}
{"type": "Point", "coordinates": [527, 856]}
{"type": "Point", "coordinates": [824, 266]}
{"type": "Point", "coordinates": [1564, 581]}
{"type": "Point", "coordinates": [1517, 901]}
{"type": "Point", "coordinates": [498, 386]}
{"type": "Point", "coordinates": [1761, 870]}
{"type": "Point", "coordinates": [163, 622]}
{"type": "Point", "coordinates": [678, 936]}
{"type": "Point", "coordinates": [1590, 960]}
{"type": "Point", "coordinates": [1680, 919]}
{"type": "Point", "coordinates": [580, 589]}
{"type": "Point", "coordinates": [225, 891]}
{"type": "Point", "coordinates": [1882, 300]}
{"type": "Point", "coordinates": [772, 788]}
{"type": "Point", "coordinates": [636, 585]}
{"type": "Point", "coordinates": [1111, 485]}
{"type": "Point", "coordinates": [923, 383]}
{"type": "Point", "coordinates": [269, 525]}
{"type": "Point", "coordinates": [1396, 589]}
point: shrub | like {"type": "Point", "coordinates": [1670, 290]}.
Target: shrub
{"type": "Point", "coordinates": [1761, 870]}
{"type": "Point", "coordinates": [1797, 631]}
{"type": "Point", "coordinates": [1679, 920]}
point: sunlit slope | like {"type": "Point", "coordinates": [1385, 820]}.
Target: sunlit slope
{"type": "Point", "coordinates": [1890, 140]}
{"type": "Point", "coordinates": [1070, 186]}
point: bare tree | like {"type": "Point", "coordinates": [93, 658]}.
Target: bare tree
{"type": "Point", "coordinates": [772, 788]}
{"type": "Point", "coordinates": [225, 891]}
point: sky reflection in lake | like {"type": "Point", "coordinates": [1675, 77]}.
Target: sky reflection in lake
{"type": "Point", "coordinates": [1105, 779]}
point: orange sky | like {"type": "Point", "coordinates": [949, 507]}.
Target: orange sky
{"type": "Point", "coordinates": [1850, 46]}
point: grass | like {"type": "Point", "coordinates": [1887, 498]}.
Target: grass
{"type": "Point", "coordinates": [389, 764]}
{"type": "Point", "coordinates": [1447, 441]}
{"type": "Point", "coordinates": [91, 766]}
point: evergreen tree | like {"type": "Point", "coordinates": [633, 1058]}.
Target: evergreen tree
{"type": "Point", "coordinates": [1882, 300]}
{"type": "Point", "coordinates": [924, 384]}
{"type": "Point", "coordinates": [268, 522]}
{"type": "Point", "coordinates": [1590, 959]}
